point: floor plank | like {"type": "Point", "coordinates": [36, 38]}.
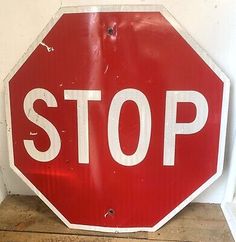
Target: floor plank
{"type": "Point", "coordinates": [42, 237]}
{"type": "Point", "coordinates": [26, 216]}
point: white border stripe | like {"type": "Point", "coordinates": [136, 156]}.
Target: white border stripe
{"type": "Point", "coordinates": [190, 41]}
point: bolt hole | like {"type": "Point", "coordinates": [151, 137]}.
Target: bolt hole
{"type": "Point", "coordinates": [110, 31]}
{"type": "Point", "coordinates": [110, 212]}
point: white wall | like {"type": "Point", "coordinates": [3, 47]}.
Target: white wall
{"type": "Point", "coordinates": [3, 190]}
{"type": "Point", "coordinates": [212, 23]}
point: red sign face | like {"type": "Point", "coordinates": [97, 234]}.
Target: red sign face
{"type": "Point", "coordinates": [117, 119]}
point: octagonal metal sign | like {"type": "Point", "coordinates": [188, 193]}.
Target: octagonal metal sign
{"type": "Point", "coordinates": [116, 117]}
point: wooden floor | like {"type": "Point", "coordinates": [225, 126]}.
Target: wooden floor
{"type": "Point", "coordinates": [26, 218]}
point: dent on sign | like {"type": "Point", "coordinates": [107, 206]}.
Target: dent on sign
{"type": "Point", "coordinates": [117, 117]}
{"type": "Point", "coordinates": [82, 97]}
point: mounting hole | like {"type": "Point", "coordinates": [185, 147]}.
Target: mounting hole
{"type": "Point", "coordinates": [110, 31]}
{"type": "Point", "coordinates": [111, 211]}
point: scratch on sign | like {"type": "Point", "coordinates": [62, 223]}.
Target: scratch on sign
{"type": "Point", "coordinates": [49, 49]}
{"type": "Point", "coordinates": [33, 133]}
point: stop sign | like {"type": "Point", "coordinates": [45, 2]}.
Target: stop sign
{"type": "Point", "coordinates": [116, 117]}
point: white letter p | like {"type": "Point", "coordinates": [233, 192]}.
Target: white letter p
{"type": "Point", "coordinates": [172, 128]}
